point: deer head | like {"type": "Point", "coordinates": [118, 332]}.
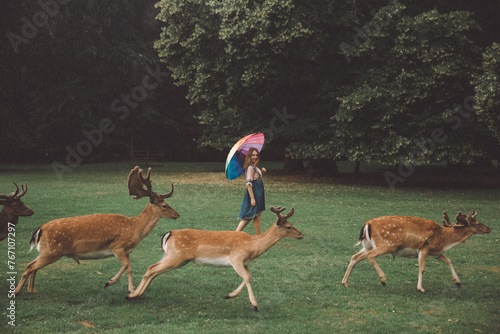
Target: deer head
{"type": "Point", "coordinates": [464, 221]}
{"type": "Point", "coordinates": [282, 222]}
{"type": "Point", "coordinates": [13, 204]}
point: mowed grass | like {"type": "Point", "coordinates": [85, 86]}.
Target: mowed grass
{"type": "Point", "coordinates": [297, 283]}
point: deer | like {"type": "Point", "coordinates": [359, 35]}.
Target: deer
{"type": "Point", "coordinates": [219, 249]}
{"type": "Point", "coordinates": [13, 208]}
{"type": "Point", "coordinates": [414, 237]}
{"type": "Point", "coordinates": [98, 236]}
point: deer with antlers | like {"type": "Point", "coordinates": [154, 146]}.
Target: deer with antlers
{"type": "Point", "coordinates": [99, 236]}
{"type": "Point", "coordinates": [13, 208]}
{"type": "Point", "coordinates": [414, 237]}
{"type": "Point", "coordinates": [219, 249]}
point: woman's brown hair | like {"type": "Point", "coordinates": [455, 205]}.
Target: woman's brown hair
{"type": "Point", "coordinates": [248, 158]}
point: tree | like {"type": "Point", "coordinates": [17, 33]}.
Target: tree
{"type": "Point", "coordinates": [244, 63]}
{"type": "Point", "coordinates": [393, 82]}
{"type": "Point", "coordinates": [411, 104]}
{"type": "Point", "coordinates": [487, 91]}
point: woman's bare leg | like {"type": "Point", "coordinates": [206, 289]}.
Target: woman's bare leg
{"type": "Point", "coordinates": [243, 223]}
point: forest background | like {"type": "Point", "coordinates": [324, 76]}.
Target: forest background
{"type": "Point", "coordinates": [399, 82]}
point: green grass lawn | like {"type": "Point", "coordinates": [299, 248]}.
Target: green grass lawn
{"type": "Point", "coordinates": [297, 283]}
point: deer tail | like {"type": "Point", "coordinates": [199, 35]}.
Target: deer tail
{"type": "Point", "coordinates": [164, 240]}
{"type": "Point", "coordinates": [365, 234]}
{"type": "Point", "coordinates": [35, 239]}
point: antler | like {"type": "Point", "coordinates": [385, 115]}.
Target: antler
{"type": "Point", "coordinates": [461, 219]}
{"type": "Point", "coordinates": [279, 210]}
{"type": "Point", "coordinates": [446, 220]}
{"type": "Point", "coordinates": [23, 190]}
{"type": "Point", "coordinates": [289, 214]}
{"type": "Point", "coordinates": [136, 183]}
{"type": "Point", "coordinates": [14, 195]}
{"type": "Point", "coordinates": [169, 194]}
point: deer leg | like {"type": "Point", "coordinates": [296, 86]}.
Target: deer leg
{"type": "Point", "coordinates": [361, 255]}
{"type": "Point", "coordinates": [371, 255]}
{"type": "Point", "coordinates": [240, 287]}
{"type": "Point", "coordinates": [31, 282]}
{"type": "Point", "coordinates": [245, 274]}
{"type": "Point", "coordinates": [237, 291]}
{"type": "Point", "coordinates": [422, 255]}
{"type": "Point", "coordinates": [126, 265]}
{"type": "Point", "coordinates": [154, 270]}
{"type": "Point", "coordinates": [32, 268]}
{"type": "Point", "coordinates": [453, 272]}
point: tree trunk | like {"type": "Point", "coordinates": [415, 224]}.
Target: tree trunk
{"type": "Point", "coordinates": [322, 168]}
{"type": "Point", "coordinates": [356, 168]}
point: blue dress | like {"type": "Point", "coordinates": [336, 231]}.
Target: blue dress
{"type": "Point", "coordinates": [248, 211]}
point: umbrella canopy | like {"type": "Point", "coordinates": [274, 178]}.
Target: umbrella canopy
{"type": "Point", "coordinates": [236, 157]}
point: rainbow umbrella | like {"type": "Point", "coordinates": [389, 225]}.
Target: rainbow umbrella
{"type": "Point", "coordinates": [236, 157]}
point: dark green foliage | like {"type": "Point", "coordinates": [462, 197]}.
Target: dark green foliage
{"type": "Point", "coordinates": [346, 80]}
{"type": "Point", "coordinates": [363, 82]}
{"type": "Point", "coordinates": [422, 74]}
{"type": "Point", "coordinates": [487, 89]}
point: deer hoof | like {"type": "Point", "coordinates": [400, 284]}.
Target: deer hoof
{"type": "Point", "coordinates": [107, 284]}
{"type": "Point", "coordinates": [255, 308]}
{"type": "Point", "coordinates": [383, 283]}
{"type": "Point", "coordinates": [458, 284]}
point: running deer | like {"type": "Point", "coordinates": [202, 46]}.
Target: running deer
{"type": "Point", "coordinates": [219, 249]}
{"type": "Point", "coordinates": [99, 236]}
{"type": "Point", "coordinates": [415, 238]}
{"type": "Point", "coordinates": [13, 208]}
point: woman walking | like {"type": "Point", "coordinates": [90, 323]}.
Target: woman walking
{"type": "Point", "coordinates": [254, 200]}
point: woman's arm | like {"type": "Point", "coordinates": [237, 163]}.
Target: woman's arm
{"type": "Point", "coordinates": [252, 197]}
{"type": "Point", "coordinates": [249, 179]}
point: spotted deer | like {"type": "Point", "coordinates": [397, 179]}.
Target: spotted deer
{"type": "Point", "coordinates": [99, 236]}
{"type": "Point", "coordinates": [219, 249]}
{"type": "Point", "coordinates": [13, 208]}
{"type": "Point", "coordinates": [415, 238]}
